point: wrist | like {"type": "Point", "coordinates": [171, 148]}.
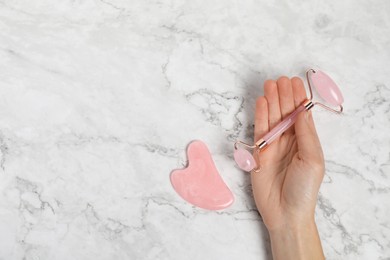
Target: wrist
{"type": "Point", "coordinates": [296, 241]}
{"type": "Point", "coordinates": [295, 222]}
{"type": "Point", "coordinates": [293, 229]}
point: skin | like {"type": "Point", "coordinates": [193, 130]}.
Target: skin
{"type": "Point", "coordinates": [286, 188]}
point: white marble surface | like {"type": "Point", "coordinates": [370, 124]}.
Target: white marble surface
{"type": "Point", "coordinates": [99, 98]}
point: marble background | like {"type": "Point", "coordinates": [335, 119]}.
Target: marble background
{"type": "Point", "coordinates": [99, 98]}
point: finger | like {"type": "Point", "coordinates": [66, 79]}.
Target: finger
{"type": "Point", "coordinates": [271, 94]}
{"type": "Point", "coordinates": [261, 118]}
{"type": "Point", "coordinates": [309, 146]}
{"type": "Point", "coordinates": [298, 91]}
{"type": "Point", "coordinates": [286, 99]}
{"type": "Point", "coordinates": [261, 183]}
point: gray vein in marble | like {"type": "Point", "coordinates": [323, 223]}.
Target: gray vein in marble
{"type": "Point", "coordinates": [28, 186]}
{"type": "Point", "coordinates": [164, 71]}
{"type": "Point", "coordinates": [202, 40]}
{"type": "Point", "coordinates": [27, 207]}
{"type": "Point", "coordinates": [334, 167]}
{"type": "Point", "coordinates": [160, 149]}
{"type": "Point", "coordinates": [164, 202]}
{"type": "Point", "coordinates": [175, 30]}
{"type": "Point", "coordinates": [217, 105]}
{"type": "Point", "coordinates": [81, 140]}
{"type": "Point", "coordinates": [29, 61]}
{"type": "Point", "coordinates": [75, 139]}
{"type": "Point", "coordinates": [3, 150]}
{"type": "Point", "coordinates": [110, 228]}
{"type": "Point", "coordinates": [379, 97]}
{"type": "Point", "coordinates": [120, 9]}
{"type": "Point", "coordinates": [330, 213]}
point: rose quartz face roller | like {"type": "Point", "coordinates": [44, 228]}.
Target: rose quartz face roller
{"type": "Point", "coordinates": [327, 90]}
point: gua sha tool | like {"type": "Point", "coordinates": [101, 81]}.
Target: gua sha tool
{"type": "Point", "coordinates": [200, 183]}
{"type": "Point", "coordinates": [327, 90]}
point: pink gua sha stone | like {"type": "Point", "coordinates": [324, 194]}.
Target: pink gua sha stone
{"type": "Point", "coordinates": [200, 183]}
{"type": "Point", "coordinates": [327, 88]}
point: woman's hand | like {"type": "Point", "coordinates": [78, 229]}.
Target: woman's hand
{"type": "Point", "coordinates": [292, 169]}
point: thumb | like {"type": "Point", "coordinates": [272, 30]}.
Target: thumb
{"type": "Point", "coordinates": [309, 146]}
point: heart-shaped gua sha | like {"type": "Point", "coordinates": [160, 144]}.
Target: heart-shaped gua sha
{"type": "Point", "coordinates": [200, 183]}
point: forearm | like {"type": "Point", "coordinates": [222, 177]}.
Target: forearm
{"type": "Point", "coordinates": [296, 242]}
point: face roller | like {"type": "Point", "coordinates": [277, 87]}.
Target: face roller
{"type": "Point", "coordinates": [327, 90]}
